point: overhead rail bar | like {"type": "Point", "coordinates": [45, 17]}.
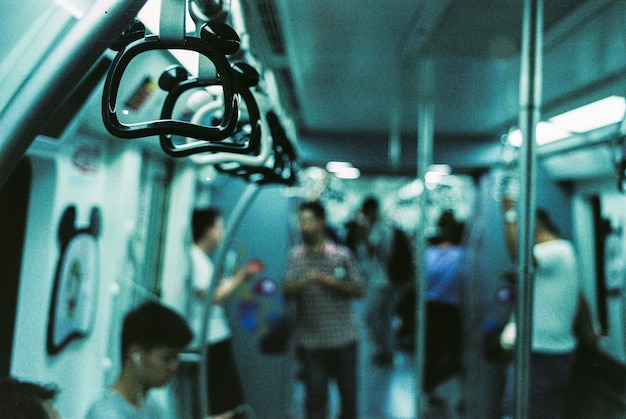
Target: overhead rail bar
{"type": "Point", "coordinates": [67, 62]}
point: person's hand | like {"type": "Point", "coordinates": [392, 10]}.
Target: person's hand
{"type": "Point", "coordinates": [317, 276]}
{"type": "Point", "coordinates": [254, 267]}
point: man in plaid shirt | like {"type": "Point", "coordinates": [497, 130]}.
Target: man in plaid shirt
{"type": "Point", "coordinates": [322, 278]}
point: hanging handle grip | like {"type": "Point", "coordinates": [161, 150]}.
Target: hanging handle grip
{"type": "Point", "coordinates": [245, 77]}
{"type": "Point", "coordinates": [213, 45]}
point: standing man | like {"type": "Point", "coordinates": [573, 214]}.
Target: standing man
{"type": "Point", "coordinates": [225, 390]}
{"type": "Point", "coordinates": [152, 338]}
{"type": "Point", "coordinates": [322, 278]}
{"type": "Point", "coordinates": [555, 297]}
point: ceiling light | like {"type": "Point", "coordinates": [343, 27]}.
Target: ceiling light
{"type": "Point", "coordinates": [546, 133]}
{"type": "Point", "coordinates": [149, 16]}
{"type": "Point", "coordinates": [594, 115]}
{"type": "Point", "coordinates": [335, 166]}
{"type": "Point", "coordinates": [348, 173]}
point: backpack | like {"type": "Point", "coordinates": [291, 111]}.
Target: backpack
{"type": "Point", "coordinates": [401, 264]}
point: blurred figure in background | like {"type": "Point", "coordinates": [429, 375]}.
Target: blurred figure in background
{"type": "Point", "coordinates": [26, 400]}
{"type": "Point", "coordinates": [322, 279]}
{"type": "Point", "coordinates": [225, 389]}
{"type": "Point", "coordinates": [381, 294]}
{"type": "Point", "coordinates": [555, 301]}
{"type": "Point", "coordinates": [445, 272]}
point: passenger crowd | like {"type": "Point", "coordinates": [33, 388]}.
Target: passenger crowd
{"type": "Point", "coordinates": [325, 273]}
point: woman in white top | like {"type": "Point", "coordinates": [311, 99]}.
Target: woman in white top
{"type": "Point", "coordinates": [225, 391]}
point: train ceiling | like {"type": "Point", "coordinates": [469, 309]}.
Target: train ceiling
{"type": "Point", "coordinates": [348, 70]}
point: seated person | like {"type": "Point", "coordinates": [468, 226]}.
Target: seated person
{"type": "Point", "coordinates": [22, 399]}
{"type": "Point", "coordinates": [152, 338]}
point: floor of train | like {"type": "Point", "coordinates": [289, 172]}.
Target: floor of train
{"type": "Point", "coordinates": [387, 392]}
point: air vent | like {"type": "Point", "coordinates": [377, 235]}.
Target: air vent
{"type": "Point", "coordinates": [272, 26]}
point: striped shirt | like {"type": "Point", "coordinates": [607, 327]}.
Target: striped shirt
{"type": "Point", "coordinates": [324, 317]}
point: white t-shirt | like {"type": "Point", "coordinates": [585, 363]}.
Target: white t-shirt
{"type": "Point", "coordinates": [112, 406]}
{"type": "Point", "coordinates": [202, 273]}
{"type": "Point", "coordinates": [555, 297]}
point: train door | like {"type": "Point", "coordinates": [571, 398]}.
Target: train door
{"type": "Point", "coordinates": [14, 199]}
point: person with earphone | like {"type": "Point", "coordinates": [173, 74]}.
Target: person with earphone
{"type": "Point", "coordinates": [153, 336]}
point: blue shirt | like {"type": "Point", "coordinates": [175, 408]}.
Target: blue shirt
{"type": "Point", "coordinates": [444, 270]}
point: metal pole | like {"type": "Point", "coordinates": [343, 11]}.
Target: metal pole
{"type": "Point", "coordinates": [424, 160]}
{"type": "Point", "coordinates": [530, 105]}
{"type": "Point", "coordinates": [233, 223]}
{"type": "Point", "coordinates": [58, 72]}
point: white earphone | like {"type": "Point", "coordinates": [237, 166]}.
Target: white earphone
{"type": "Point", "coordinates": [137, 359]}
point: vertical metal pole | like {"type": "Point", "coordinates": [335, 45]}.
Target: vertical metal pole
{"type": "Point", "coordinates": [233, 223]}
{"type": "Point", "coordinates": [57, 74]}
{"type": "Point", "coordinates": [530, 106]}
{"type": "Point", "coordinates": [424, 160]}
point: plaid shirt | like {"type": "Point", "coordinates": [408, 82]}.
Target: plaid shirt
{"type": "Point", "coordinates": [325, 317]}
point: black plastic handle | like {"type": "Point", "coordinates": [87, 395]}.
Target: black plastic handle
{"type": "Point", "coordinates": [169, 126]}
{"type": "Point", "coordinates": [285, 168]}
{"type": "Point", "coordinates": [244, 78]}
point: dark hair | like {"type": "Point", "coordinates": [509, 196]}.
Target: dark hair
{"type": "Point", "coordinates": [449, 229]}
{"type": "Point", "coordinates": [202, 219]}
{"type": "Point", "coordinates": [370, 204]}
{"type": "Point", "coordinates": [315, 207]}
{"type": "Point", "coordinates": [151, 325]}
{"type": "Point", "coordinates": [23, 399]}
{"type": "Point", "coordinates": [544, 221]}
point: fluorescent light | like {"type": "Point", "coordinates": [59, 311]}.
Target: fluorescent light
{"type": "Point", "coordinates": [594, 115]}
{"type": "Point", "coordinates": [434, 178]}
{"type": "Point", "coordinates": [601, 113]}
{"type": "Point", "coordinates": [335, 166]}
{"type": "Point", "coordinates": [343, 169]}
{"type": "Point", "coordinates": [149, 15]}
{"type": "Point", "coordinates": [546, 133]}
{"type": "Point", "coordinates": [348, 173]}
{"type": "Point", "coordinates": [514, 138]}
{"type": "Point", "coordinates": [443, 169]}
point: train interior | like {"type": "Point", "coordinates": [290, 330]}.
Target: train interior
{"type": "Point", "coordinates": [106, 107]}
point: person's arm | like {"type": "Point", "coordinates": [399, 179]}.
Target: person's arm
{"type": "Point", "coordinates": [350, 288]}
{"type": "Point", "coordinates": [229, 285]}
{"type": "Point", "coordinates": [345, 280]}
